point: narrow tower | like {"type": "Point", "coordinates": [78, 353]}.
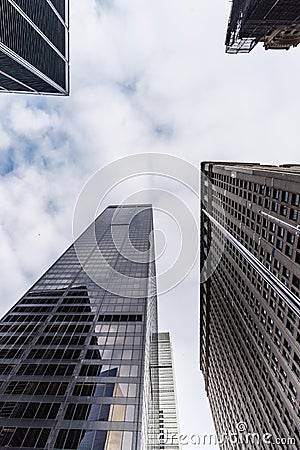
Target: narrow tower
{"type": "Point", "coordinates": [168, 417]}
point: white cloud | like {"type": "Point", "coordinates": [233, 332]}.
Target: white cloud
{"type": "Point", "coordinates": [146, 76]}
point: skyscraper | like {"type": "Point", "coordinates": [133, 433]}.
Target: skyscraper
{"type": "Point", "coordinates": [76, 350]}
{"type": "Point", "coordinates": [249, 306]}
{"type": "Point", "coordinates": [276, 23]}
{"type": "Point", "coordinates": [34, 46]}
{"type": "Point", "coordinates": [166, 393]}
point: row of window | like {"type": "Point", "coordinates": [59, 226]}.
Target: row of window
{"type": "Point", "coordinates": [232, 185]}
{"type": "Point", "coordinates": [74, 411]}
{"type": "Point", "coordinates": [29, 410]}
{"type": "Point", "coordinates": [24, 437]}
{"type": "Point", "coordinates": [81, 389]}
{"type": "Point", "coordinates": [262, 226]}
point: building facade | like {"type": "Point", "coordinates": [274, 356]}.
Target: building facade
{"type": "Point", "coordinates": [275, 23]}
{"type": "Point", "coordinates": [168, 417]}
{"type": "Point", "coordinates": [250, 307]}
{"type": "Point", "coordinates": [78, 352]}
{"type": "Point", "coordinates": [34, 46]}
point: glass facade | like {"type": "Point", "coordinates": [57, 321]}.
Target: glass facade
{"type": "Point", "coordinates": [34, 47]}
{"type": "Point", "coordinates": [250, 307]}
{"type": "Point", "coordinates": [75, 367]}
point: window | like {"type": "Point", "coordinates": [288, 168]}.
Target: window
{"type": "Point", "coordinates": [7, 353]}
{"type": "Point", "coordinates": [287, 345]}
{"type": "Point", "coordinates": [77, 411]}
{"type": "Point", "coordinates": [285, 272]}
{"type": "Point", "coordinates": [84, 389]}
{"type": "Point", "coordinates": [6, 369]}
{"type": "Point", "coordinates": [295, 199]}
{"type": "Point", "coordinates": [285, 196]}
{"type": "Point", "coordinates": [69, 438]}
{"type": "Point", "coordinates": [294, 215]}
{"type": "Point", "coordinates": [90, 370]}
{"type": "Point", "coordinates": [296, 281]}
{"type": "Point", "coordinates": [92, 354]}
{"type": "Point", "coordinates": [297, 359]}
{"type": "Point", "coordinates": [277, 264]}
{"type": "Point", "coordinates": [118, 318]}
{"type": "Point", "coordinates": [44, 369]}
{"type": "Point", "coordinates": [290, 326]}
{"type": "Point", "coordinates": [283, 210]}
{"type": "Point", "coordinates": [290, 237]}
{"type": "Point", "coordinates": [54, 354]}
{"type": "Point", "coordinates": [274, 206]}
{"type": "Point", "coordinates": [61, 340]}
{"type": "Point", "coordinates": [24, 437]}
{"type": "Point", "coordinates": [288, 251]}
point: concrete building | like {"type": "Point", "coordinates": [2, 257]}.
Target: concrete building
{"type": "Point", "coordinates": [250, 307]}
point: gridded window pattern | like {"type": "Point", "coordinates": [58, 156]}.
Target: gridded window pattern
{"type": "Point", "coordinates": [249, 335]}
{"type": "Point", "coordinates": [73, 366]}
{"type": "Point", "coordinates": [168, 418]}
{"type": "Point", "coordinates": [34, 46]}
{"type": "Point", "coordinates": [275, 23]}
{"type": "Point", "coordinates": [24, 437]}
{"type": "Point", "coordinates": [76, 438]}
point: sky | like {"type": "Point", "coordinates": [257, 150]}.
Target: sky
{"type": "Point", "coordinates": [145, 77]}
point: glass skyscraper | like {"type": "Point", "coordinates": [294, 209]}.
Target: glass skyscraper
{"type": "Point", "coordinates": [34, 46]}
{"type": "Point", "coordinates": [79, 350]}
{"type": "Point", "coordinates": [250, 307]}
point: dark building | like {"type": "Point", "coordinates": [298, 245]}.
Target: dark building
{"type": "Point", "coordinates": [34, 46]}
{"type": "Point", "coordinates": [250, 307]}
{"type": "Point", "coordinates": [275, 23]}
{"type": "Point", "coordinates": [77, 359]}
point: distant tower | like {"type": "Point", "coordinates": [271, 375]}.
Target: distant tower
{"type": "Point", "coordinates": [168, 419]}
{"type": "Point", "coordinates": [250, 305]}
{"type": "Point", "coordinates": [34, 46]}
{"type": "Point", "coordinates": [276, 23]}
{"type": "Point", "coordinates": [76, 355]}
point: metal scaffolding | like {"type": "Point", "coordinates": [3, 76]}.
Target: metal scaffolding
{"type": "Point", "coordinates": [276, 23]}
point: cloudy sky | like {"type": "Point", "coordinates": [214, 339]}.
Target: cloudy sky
{"type": "Point", "coordinates": [146, 77]}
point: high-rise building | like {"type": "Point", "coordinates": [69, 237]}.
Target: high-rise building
{"type": "Point", "coordinates": [249, 306]}
{"type": "Point", "coordinates": [166, 394]}
{"type": "Point", "coordinates": [34, 46]}
{"type": "Point", "coordinates": [275, 23]}
{"type": "Point", "coordinates": [79, 350]}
